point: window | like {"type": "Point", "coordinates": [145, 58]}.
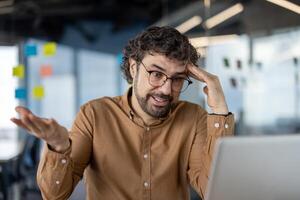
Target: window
{"type": "Point", "coordinates": [8, 84]}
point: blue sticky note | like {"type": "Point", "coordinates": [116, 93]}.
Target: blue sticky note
{"type": "Point", "coordinates": [20, 93]}
{"type": "Point", "coordinates": [30, 50]}
{"type": "Point", "coordinates": [120, 58]}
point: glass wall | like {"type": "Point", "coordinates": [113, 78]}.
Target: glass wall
{"type": "Point", "coordinates": [260, 78]}
{"type": "Point", "coordinates": [8, 84]}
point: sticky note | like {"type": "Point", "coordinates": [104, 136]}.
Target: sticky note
{"type": "Point", "coordinates": [38, 92]}
{"type": "Point", "coordinates": [30, 50]}
{"type": "Point", "coordinates": [20, 93]}
{"type": "Point", "coordinates": [49, 49]}
{"type": "Point", "coordinates": [19, 71]}
{"type": "Point", "coordinates": [233, 82]}
{"type": "Point", "coordinates": [226, 62]}
{"type": "Point", "coordinates": [120, 58]}
{"type": "Point", "coordinates": [239, 64]}
{"type": "Point", "coordinates": [295, 60]}
{"type": "Point", "coordinates": [46, 70]}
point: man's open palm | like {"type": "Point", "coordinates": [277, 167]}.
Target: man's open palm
{"type": "Point", "coordinates": [46, 129]}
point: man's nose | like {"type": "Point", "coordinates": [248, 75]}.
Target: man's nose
{"type": "Point", "coordinates": [166, 88]}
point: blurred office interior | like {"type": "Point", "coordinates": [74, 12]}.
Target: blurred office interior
{"type": "Point", "coordinates": [55, 55]}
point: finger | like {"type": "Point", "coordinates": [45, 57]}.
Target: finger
{"type": "Point", "coordinates": [205, 90]}
{"type": "Point", "coordinates": [197, 73]}
{"type": "Point", "coordinates": [200, 74]}
{"type": "Point", "coordinates": [193, 73]}
{"type": "Point", "coordinates": [51, 122]}
{"type": "Point", "coordinates": [30, 125]}
{"type": "Point", "coordinates": [22, 110]}
{"type": "Point", "coordinates": [195, 77]}
{"type": "Point", "coordinates": [39, 122]}
{"type": "Point", "coordinates": [22, 125]}
{"type": "Point", "coordinates": [33, 119]}
{"type": "Point", "coordinates": [19, 123]}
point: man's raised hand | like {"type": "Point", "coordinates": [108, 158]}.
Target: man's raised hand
{"type": "Point", "coordinates": [213, 89]}
{"type": "Point", "coordinates": [48, 130]}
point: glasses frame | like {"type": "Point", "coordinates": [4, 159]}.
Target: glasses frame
{"type": "Point", "coordinates": [167, 77]}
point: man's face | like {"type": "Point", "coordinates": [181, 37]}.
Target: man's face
{"type": "Point", "coordinates": [156, 101]}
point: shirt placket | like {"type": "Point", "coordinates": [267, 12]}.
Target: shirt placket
{"type": "Point", "coordinates": [146, 166]}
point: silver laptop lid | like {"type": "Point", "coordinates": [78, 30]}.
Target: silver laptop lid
{"type": "Point", "coordinates": [256, 168]}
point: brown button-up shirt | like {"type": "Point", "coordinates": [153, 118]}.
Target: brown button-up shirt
{"type": "Point", "coordinates": [123, 159]}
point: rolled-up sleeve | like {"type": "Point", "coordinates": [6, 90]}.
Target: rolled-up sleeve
{"type": "Point", "coordinates": [58, 173]}
{"type": "Point", "coordinates": [209, 128]}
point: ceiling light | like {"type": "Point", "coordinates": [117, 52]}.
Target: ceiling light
{"type": "Point", "coordinates": [212, 40]}
{"type": "Point", "coordinates": [207, 3]}
{"type": "Point", "coordinates": [6, 3]}
{"type": "Point", "coordinates": [189, 24]}
{"type": "Point", "coordinates": [224, 15]}
{"type": "Point", "coordinates": [286, 4]}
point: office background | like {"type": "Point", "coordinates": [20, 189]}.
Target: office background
{"type": "Point", "coordinates": [55, 55]}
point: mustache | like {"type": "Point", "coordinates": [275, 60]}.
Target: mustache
{"type": "Point", "coordinates": [162, 96]}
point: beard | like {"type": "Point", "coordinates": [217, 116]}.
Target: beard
{"type": "Point", "coordinates": [152, 110]}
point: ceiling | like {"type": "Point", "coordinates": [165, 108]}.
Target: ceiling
{"type": "Point", "coordinates": [49, 18]}
{"type": "Point", "coordinates": [259, 17]}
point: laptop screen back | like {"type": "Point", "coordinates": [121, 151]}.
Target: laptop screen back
{"type": "Point", "coordinates": [256, 168]}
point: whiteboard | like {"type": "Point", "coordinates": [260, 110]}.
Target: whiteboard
{"type": "Point", "coordinates": [60, 100]}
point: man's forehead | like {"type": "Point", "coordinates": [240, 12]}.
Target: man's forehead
{"type": "Point", "coordinates": [165, 62]}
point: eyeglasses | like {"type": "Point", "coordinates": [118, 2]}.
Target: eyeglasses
{"type": "Point", "coordinates": [158, 79]}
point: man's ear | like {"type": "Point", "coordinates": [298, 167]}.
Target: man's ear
{"type": "Point", "coordinates": [132, 67]}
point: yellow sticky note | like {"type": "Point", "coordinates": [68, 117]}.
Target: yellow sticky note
{"type": "Point", "coordinates": [49, 49]}
{"type": "Point", "coordinates": [38, 92]}
{"type": "Point", "coordinates": [18, 71]}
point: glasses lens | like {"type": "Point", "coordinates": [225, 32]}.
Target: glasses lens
{"type": "Point", "coordinates": [157, 78]}
{"type": "Point", "coordinates": [180, 85]}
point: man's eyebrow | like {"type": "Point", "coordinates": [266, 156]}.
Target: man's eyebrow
{"type": "Point", "coordinates": [162, 69]}
{"type": "Point", "coordinates": [158, 67]}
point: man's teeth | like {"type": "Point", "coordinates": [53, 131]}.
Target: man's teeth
{"type": "Point", "coordinates": [160, 99]}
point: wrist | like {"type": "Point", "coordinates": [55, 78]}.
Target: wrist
{"type": "Point", "coordinates": [60, 148]}
{"type": "Point", "coordinates": [222, 111]}
{"type": "Point", "coordinates": [224, 115]}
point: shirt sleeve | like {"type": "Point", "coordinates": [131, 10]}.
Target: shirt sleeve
{"type": "Point", "coordinates": [58, 173]}
{"type": "Point", "coordinates": [209, 129]}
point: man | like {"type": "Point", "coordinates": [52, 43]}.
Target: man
{"type": "Point", "coordinates": [145, 144]}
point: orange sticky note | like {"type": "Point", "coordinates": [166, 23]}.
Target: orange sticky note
{"type": "Point", "coordinates": [19, 71]}
{"type": "Point", "coordinates": [38, 92]}
{"type": "Point", "coordinates": [49, 49]}
{"type": "Point", "coordinates": [46, 70]}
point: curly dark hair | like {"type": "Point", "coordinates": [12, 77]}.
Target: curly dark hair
{"type": "Point", "coordinates": [163, 40]}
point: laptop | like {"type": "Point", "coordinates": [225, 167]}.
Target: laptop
{"type": "Point", "coordinates": [256, 168]}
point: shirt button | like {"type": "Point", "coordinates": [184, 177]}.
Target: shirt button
{"type": "Point", "coordinates": [145, 156]}
{"type": "Point", "coordinates": [217, 125]}
{"type": "Point", "coordinates": [146, 184]}
{"type": "Point", "coordinates": [57, 182]}
{"type": "Point", "coordinates": [226, 125]}
{"type": "Point", "coordinates": [148, 128]}
{"type": "Point", "coordinates": [63, 161]}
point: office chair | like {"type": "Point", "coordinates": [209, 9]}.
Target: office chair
{"type": "Point", "coordinates": [21, 169]}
